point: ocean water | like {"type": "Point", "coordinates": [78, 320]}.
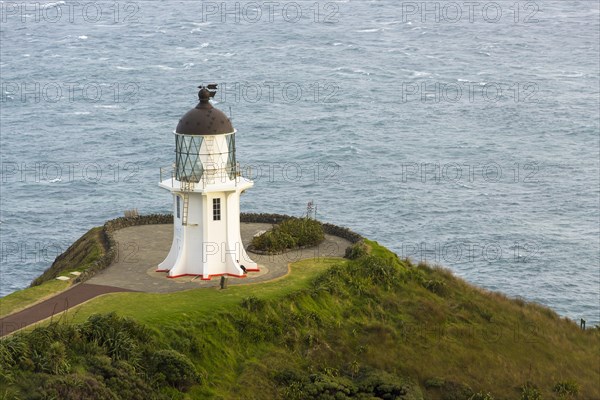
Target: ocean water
{"type": "Point", "coordinates": [468, 137]}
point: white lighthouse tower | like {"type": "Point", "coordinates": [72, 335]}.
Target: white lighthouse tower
{"type": "Point", "coordinates": [206, 185]}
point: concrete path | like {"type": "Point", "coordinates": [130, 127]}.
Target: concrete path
{"type": "Point", "coordinates": [139, 251]}
{"type": "Point", "coordinates": [53, 306]}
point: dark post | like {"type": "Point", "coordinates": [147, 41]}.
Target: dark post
{"type": "Point", "coordinates": [223, 282]}
{"type": "Point", "coordinates": [582, 324]}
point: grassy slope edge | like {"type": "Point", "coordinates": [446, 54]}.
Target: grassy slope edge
{"type": "Point", "coordinates": [338, 329]}
{"type": "Point", "coordinates": [79, 256]}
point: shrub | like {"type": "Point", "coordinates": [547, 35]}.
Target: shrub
{"type": "Point", "coordinates": [383, 385]}
{"type": "Point", "coordinates": [289, 234]}
{"type": "Point", "coordinates": [107, 357]}
{"type": "Point", "coordinates": [56, 359]}
{"type": "Point", "coordinates": [7, 362]}
{"type": "Point", "coordinates": [435, 286]}
{"type": "Point", "coordinates": [273, 242]}
{"type": "Point", "coordinates": [12, 351]}
{"type": "Point", "coordinates": [253, 303]}
{"type": "Point", "coordinates": [46, 351]}
{"type": "Point", "coordinates": [120, 336]}
{"type": "Point", "coordinates": [530, 392]}
{"type": "Point", "coordinates": [456, 391]}
{"type": "Point", "coordinates": [356, 250]}
{"type": "Point", "coordinates": [120, 377]}
{"type": "Point", "coordinates": [177, 369]}
{"type": "Point", "coordinates": [566, 389]}
{"type": "Point", "coordinates": [331, 384]}
{"type": "Point", "coordinates": [277, 218]}
{"type": "Point", "coordinates": [306, 231]}
{"type": "Point", "coordinates": [255, 329]}
{"type": "Point", "coordinates": [380, 272]}
{"type": "Point", "coordinates": [75, 387]}
{"type": "Point", "coordinates": [434, 382]}
{"type": "Point", "coordinates": [288, 377]}
{"type": "Point", "coordinates": [481, 396]}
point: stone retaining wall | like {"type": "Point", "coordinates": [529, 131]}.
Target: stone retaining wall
{"type": "Point", "coordinates": [107, 233]}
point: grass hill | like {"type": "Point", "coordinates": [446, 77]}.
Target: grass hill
{"type": "Point", "coordinates": [374, 327]}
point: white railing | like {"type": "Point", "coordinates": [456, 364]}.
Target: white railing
{"type": "Point", "coordinates": [209, 177]}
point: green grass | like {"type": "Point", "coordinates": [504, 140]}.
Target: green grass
{"type": "Point", "coordinates": [335, 326]}
{"type": "Point", "coordinates": [24, 298]}
{"type": "Point", "coordinates": [151, 308]}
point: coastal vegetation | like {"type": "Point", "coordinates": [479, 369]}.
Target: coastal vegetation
{"type": "Point", "coordinates": [291, 233]}
{"type": "Point", "coordinates": [374, 327]}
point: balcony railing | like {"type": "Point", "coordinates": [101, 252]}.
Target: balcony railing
{"type": "Point", "coordinates": [208, 177]}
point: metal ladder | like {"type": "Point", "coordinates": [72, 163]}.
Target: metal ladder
{"type": "Point", "coordinates": [186, 188]}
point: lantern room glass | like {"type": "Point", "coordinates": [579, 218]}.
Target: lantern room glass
{"type": "Point", "coordinates": [188, 166]}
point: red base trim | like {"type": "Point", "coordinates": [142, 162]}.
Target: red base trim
{"type": "Point", "coordinates": [209, 276]}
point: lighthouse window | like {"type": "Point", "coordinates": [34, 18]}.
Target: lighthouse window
{"type": "Point", "coordinates": [178, 207]}
{"type": "Point", "coordinates": [216, 209]}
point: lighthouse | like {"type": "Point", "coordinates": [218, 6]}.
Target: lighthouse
{"type": "Point", "coordinates": [206, 185]}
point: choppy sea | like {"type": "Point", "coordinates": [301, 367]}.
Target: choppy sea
{"type": "Point", "coordinates": [465, 135]}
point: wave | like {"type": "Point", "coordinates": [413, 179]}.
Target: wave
{"type": "Point", "coordinates": [163, 67]}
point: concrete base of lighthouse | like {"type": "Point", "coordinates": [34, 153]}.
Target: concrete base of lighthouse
{"type": "Point", "coordinates": [206, 237]}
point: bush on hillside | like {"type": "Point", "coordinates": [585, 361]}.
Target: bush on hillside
{"type": "Point", "coordinates": [481, 396]}
{"type": "Point", "coordinates": [456, 391]}
{"type": "Point", "coordinates": [75, 387]}
{"type": "Point", "coordinates": [306, 231]}
{"type": "Point", "coordinates": [289, 234]}
{"type": "Point", "coordinates": [566, 389]}
{"type": "Point", "coordinates": [177, 370]}
{"type": "Point", "coordinates": [356, 250]}
{"type": "Point", "coordinates": [374, 384]}
{"type": "Point", "coordinates": [273, 242]}
{"type": "Point", "coordinates": [106, 357]}
{"type": "Point", "coordinates": [120, 336]}
{"type": "Point", "coordinates": [529, 391]}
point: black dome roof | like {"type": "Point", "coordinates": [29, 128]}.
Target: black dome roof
{"type": "Point", "coordinates": [204, 119]}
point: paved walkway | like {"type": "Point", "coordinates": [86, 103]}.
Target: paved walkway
{"type": "Point", "coordinates": [54, 306]}
{"type": "Point", "coordinates": [140, 250]}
